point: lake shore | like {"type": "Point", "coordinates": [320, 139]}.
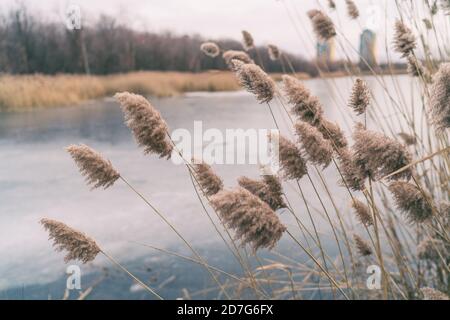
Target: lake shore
{"type": "Point", "coordinates": [24, 92]}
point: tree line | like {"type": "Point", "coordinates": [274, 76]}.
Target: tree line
{"type": "Point", "coordinates": [30, 45]}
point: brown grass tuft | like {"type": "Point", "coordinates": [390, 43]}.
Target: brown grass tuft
{"type": "Point", "coordinates": [210, 49]}
{"type": "Point", "coordinates": [377, 155]}
{"type": "Point", "coordinates": [404, 39]}
{"type": "Point", "coordinates": [291, 160]}
{"type": "Point", "coordinates": [78, 245]}
{"type": "Point", "coordinates": [411, 201]}
{"type": "Point", "coordinates": [268, 190]}
{"type": "Point", "coordinates": [352, 9]}
{"type": "Point", "coordinates": [322, 24]}
{"type": "Point", "coordinates": [146, 123]}
{"type": "Point", "coordinates": [209, 181]}
{"type": "Point", "coordinates": [256, 81]}
{"type": "Point", "coordinates": [254, 222]}
{"type": "Point", "coordinates": [360, 97]}
{"type": "Point", "coordinates": [248, 42]}
{"type": "Point", "coordinates": [274, 52]}
{"type": "Point", "coordinates": [318, 150]}
{"type": "Point", "coordinates": [362, 246]}
{"type": "Point", "coordinates": [362, 212]}
{"type": "Point", "coordinates": [440, 97]}
{"type": "Point", "coordinates": [98, 171]}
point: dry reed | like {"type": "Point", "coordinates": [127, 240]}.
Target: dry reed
{"type": "Point", "coordinates": [98, 171]}
{"type": "Point", "coordinates": [377, 155]}
{"type": "Point", "coordinates": [360, 97]}
{"type": "Point", "coordinates": [411, 201]}
{"type": "Point", "coordinates": [255, 80]}
{"type": "Point", "coordinates": [318, 150]}
{"type": "Point", "coordinates": [209, 181]}
{"type": "Point", "coordinates": [78, 245]}
{"type": "Point", "coordinates": [440, 98]}
{"type": "Point", "coordinates": [146, 123]}
{"type": "Point", "coordinates": [210, 49]}
{"type": "Point", "coordinates": [254, 222]}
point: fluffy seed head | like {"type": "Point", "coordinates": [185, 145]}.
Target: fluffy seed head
{"type": "Point", "coordinates": [274, 52]}
{"type": "Point", "coordinates": [148, 127]}
{"type": "Point", "coordinates": [305, 106]}
{"type": "Point", "coordinates": [230, 55]}
{"type": "Point", "coordinates": [351, 173]}
{"type": "Point", "coordinates": [416, 69]}
{"type": "Point", "coordinates": [318, 150]}
{"type": "Point", "coordinates": [362, 212]}
{"type": "Point", "coordinates": [268, 190]}
{"type": "Point", "coordinates": [208, 180]}
{"type": "Point", "coordinates": [331, 4]}
{"type": "Point", "coordinates": [377, 155]}
{"type": "Point", "coordinates": [98, 171]}
{"type": "Point", "coordinates": [360, 97]}
{"type": "Point", "coordinates": [362, 246]}
{"type": "Point", "coordinates": [322, 24]}
{"type": "Point", "coordinates": [432, 249]}
{"type": "Point", "coordinates": [248, 41]}
{"type": "Point", "coordinates": [256, 81]}
{"type": "Point", "coordinates": [332, 132]}
{"type": "Point", "coordinates": [210, 49]}
{"type": "Point", "coordinates": [254, 222]}
{"type": "Point", "coordinates": [291, 160]}
{"type": "Point", "coordinates": [440, 98]}
{"type": "Point", "coordinates": [433, 294]}
{"type": "Point", "coordinates": [411, 201]}
{"type": "Point", "coordinates": [352, 9]}
{"type": "Point", "coordinates": [407, 138]}
{"type": "Point", "coordinates": [404, 39]}
{"type": "Point", "coordinates": [78, 245]}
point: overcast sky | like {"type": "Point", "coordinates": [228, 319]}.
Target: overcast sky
{"type": "Point", "coordinates": [282, 22]}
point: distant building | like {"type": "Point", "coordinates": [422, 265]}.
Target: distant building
{"type": "Point", "coordinates": [325, 51]}
{"type": "Point", "coordinates": [367, 49]}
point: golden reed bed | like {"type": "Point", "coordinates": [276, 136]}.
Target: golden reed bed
{"type": "Point", "coordinates": [36, 91]}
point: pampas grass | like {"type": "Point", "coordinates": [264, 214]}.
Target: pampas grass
{"type": "Point", "coordinates": [352, 9]}
{"type": "Point", "coordinates": [248, 41]}
{"type": "Point", "coordinates": [255, 80]}
{"type": "Point", "coordinates": [318, 150]}
{"type": "Point", "coordinates": [210, 49]}
{"type": "Point", "coordinates": [98, 171]}
{"type": "Point", "coordinates": [322, 24]}
{"type": "Point", "coordinates": [411, 201]}
{"type": "Point", "coordinates": [148, 127]}
{"type": "Point", "coordinates": [268, 190]}
{"type": "Point", "coordinates": [362, 212]}
{"type": "Point", "coordinates": [360, 97]}
{"type": "Point", "coordinates": [440, 98]}
{"type": "Point", "coordinates": [253, 220]}
{"type": "Point", "coordinates": [305, 106]}
{"type": "Point", "coordinates": [274, 52]}
{"type": "Point", "coordinates": [78, 245]}
{"type": "Point", "coordinates": [231, 55]}
{"type": "Point", "coordinates": [404, 40]}
{"type": "Point", "coordinates": [291, 160]}
{"type": "Point", "coordinates": [378, 155]}
{"type": "Point", "coordinates": [362, 246]}
{"type": "Point", "coordinates": [208, 180]}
